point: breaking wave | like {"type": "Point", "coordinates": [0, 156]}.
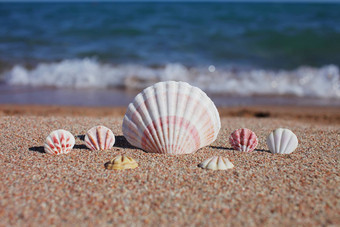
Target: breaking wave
{"type": "Point", "coordinates": [304, 81]}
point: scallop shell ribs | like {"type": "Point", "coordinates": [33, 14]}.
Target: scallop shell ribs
{"type": "Point", "coordinates": [99, 138]}
{"type": "Point", "coordinates": [243, 139]}
{"type": "Point", "coordinates": [121, 162]}
{"type": "Point", "coordinates": [216, 163]}
{"type": "Point", "coordinates": [171, 118]}
{"type": "Point", "coordinates": [59, 142]}
{"type": "Point", "coordinates": [282, 141]}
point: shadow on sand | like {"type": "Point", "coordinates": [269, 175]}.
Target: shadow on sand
{"type": "Point", "coordinates": [222, 148]}
{"type": "Point", "coordinates": [39, 149]}
{"type": "Point", "coordinates": [262, 150]}
{"type": "Point", "coordinates": [231, 149]}
{"type": "Point", "coordinates": [80, 146]}
{"type": "Point", "coordinates": [81, 137]}
{"type": "Point", "coordinates": [123, 143]}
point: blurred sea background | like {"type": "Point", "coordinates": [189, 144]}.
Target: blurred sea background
{"type": "Point", "coordinates": [104, 53]}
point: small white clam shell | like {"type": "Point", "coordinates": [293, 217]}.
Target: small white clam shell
{"type": "Point", "coordinates": [59, 142]}
{"type": "Point", "coordinates": [216, 163]}
{"type": "Point", "coordinates": [282, 141]}
{"type": "Point", "coordinates": [99, 138]}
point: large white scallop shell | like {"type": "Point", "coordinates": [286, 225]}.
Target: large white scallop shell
{"type": "Point", "coordinates": [171, 118]}
{"type": "Point", "coordinates": [282, 141]}
{"type": "Point", "coordinates": [99, 138]}
{"type": "Point", "coordinates": [216, 163]}
{"type": "Point", "coordinates": [59, 142]}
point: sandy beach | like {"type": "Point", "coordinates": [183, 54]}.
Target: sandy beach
{"type": "Point", "coordinates": [76, 190]}
{"type": "Point", "coordinates": [73, 65]}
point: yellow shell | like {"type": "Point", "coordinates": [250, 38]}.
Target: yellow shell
{"type": "Point", "coordinates": [121, 162]}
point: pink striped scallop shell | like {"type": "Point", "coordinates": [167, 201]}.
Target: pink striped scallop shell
{"type": "Point", "coordinates": [171, 118]}
{"type": "Point", "coordinates": [59, 142]}
{"type": "Point", "coordinates": [243, 139]}
{"type": "Point", "coordinates": [99, 138]}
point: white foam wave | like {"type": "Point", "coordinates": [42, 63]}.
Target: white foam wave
{"type": "Point", "coordinates": [305, 81]}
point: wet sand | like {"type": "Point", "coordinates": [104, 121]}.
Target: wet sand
{"type": "Point", "coordinates": [263, 189]}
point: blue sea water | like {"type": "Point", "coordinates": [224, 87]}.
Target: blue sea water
{"type": "Point", "coordinates": [243, 49]}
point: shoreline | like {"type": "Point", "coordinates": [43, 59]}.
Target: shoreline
{"type": "Point", "coordinates": [312, 114]}
{"type": "Point", "coordinates": [45, 96]}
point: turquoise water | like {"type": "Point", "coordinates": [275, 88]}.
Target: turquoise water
{"type": "Point", "coordinates": [260, 34]}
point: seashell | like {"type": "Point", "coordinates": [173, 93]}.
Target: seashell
{"type": "Point", "coordinates": [99, 138]}
{"type": "Point", "coordinates": [121, 162]}
{"type": "Point", "coordinates": [59, 142]}
{"type": "Point", "coordinates": [282, 141]}
{"type": "Point", "coordinates": [243, 139]}
{"type": "Point", "coordinates": [216, 163]}
{"type": "Point", "coordinates": [171, 118]}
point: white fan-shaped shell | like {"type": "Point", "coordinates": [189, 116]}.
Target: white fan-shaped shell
{"type": "Point", "coordinates": [59, 142]}
{"type": "Point", "coordinates": [282, 141]}
{"type": "Point", "coordinates": [216, 163]}
{"type": "Point", "coordinates": [171, 117]}
{"type": "Point", "coordinates": [99, 138]}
